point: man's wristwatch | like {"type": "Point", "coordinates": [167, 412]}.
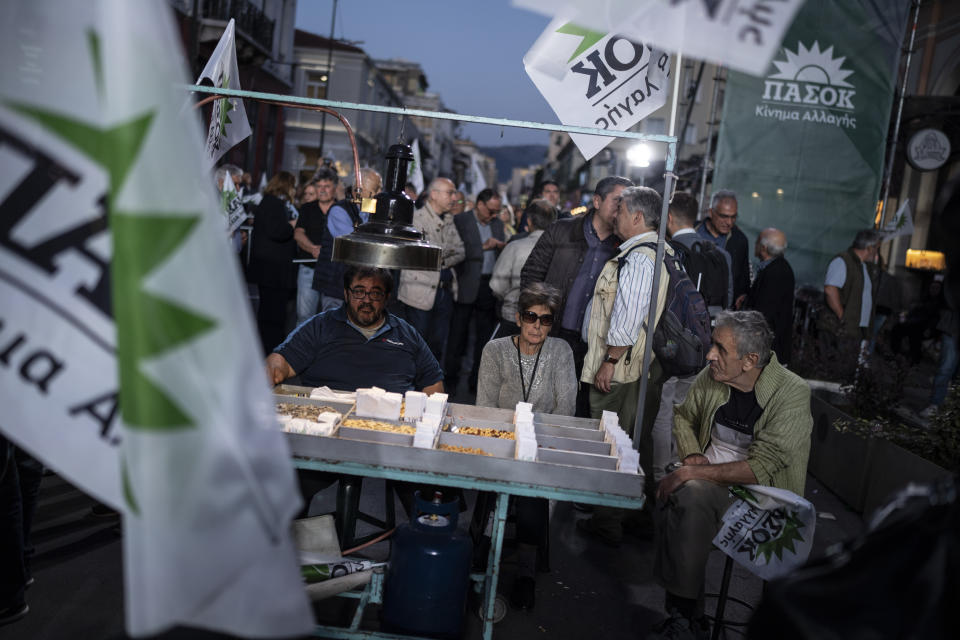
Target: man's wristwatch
{"type": "Point", "coordinates": [609, 358]}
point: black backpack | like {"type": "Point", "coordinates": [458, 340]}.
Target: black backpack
{"type": "Point", "coordinates": [682, 337]}
{"type": "Point", "coordinates": [705, 265]}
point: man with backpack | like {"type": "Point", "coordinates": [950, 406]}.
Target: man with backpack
{"type": "Point", "coordinates": [706, 264]}
{"type": "Point", "coordinates": [720, 227]}
{"type": "Point", "coordinates": [708, 267]}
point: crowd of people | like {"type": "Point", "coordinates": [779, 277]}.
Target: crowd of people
{"type": "Point", "coordinates": [554, 304]}
{"type": "Point", "coordinates": [557, 303]}
{"type": "Point", "coordinates": [557, 310]}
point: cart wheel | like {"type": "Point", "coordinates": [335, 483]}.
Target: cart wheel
{"type": "Point", "coordinates": [499, 609]}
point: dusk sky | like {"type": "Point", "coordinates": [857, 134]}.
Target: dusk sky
{"type": "Point", "coordinates": [472, 53]}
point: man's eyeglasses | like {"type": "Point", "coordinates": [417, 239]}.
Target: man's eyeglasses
{"type": "Point", "coordinates": [530, 317]}
{"type": "Point", "coordinates": [723, 216]}
{"type": "Point", "coordinates": [359, 293]}
{"type": "Point", "coordinates": [449, 192]}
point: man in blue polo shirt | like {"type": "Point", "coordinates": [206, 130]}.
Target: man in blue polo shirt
{"type": "Point", "coordinates": [359, 344]}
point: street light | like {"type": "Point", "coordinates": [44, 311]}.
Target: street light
{"type": "Point", "coordinates": [639, 155]}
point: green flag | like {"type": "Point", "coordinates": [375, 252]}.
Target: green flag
{"type": "Point", "coordinates": [803, 146]}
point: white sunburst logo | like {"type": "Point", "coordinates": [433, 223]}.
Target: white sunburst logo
{"type": "Point", "coordinates": [810, 76]}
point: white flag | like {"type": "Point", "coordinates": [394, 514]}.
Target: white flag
{"type": "Point", "coordinates": [228, 119]}
{"type": "Point", "coordinates": [478, 182]}
{"type": "Point", "coordinates": [416, 168]}
{"type": "Point", "coordinates": [741, 34]}
{"type": "Point", "coordinates": [767, 530]}
{"type": "Point", "coordinates": [232, 204]}
{"type": "Point", "coordinates": [118, 285]}
{"type": "Point", "coordinates": [594, 79]}
{"type": "Point", "coordinates": [902, 222]}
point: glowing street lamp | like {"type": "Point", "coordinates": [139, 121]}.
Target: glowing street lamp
{"type": "Point", "coordinates": [639, 155]}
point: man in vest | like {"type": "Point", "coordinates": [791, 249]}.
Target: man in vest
{"type": "Point", "coordinates": [311, 224]}
{"type": "Point", "coordinates": [849, 291]}
{"type": "Point", "coordinates": [615, 332]}
{"type": "Point", "coordinates": [341, 219]}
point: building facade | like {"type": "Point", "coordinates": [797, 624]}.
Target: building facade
{"type": "Point", "coordinates": [336, 70]}
{"type": "Point", "coordinates": [437, 137]}
{"type": "Point", "coordinates": [264, 43]}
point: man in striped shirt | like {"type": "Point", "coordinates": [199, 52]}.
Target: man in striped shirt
{"type": "Point", "coordinates": [613, 329]}
{"type": "Point", "coordinates": [613, 325]}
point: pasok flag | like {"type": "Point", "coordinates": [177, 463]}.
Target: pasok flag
{"type": "Point", "coordinates": [130, 360]}
{"type": "Point", "coordinates": [228, 119]}
{"type": "Point", "coordinates": [599, 79]}
{"type": "Point", "coordinates": [741, 34]}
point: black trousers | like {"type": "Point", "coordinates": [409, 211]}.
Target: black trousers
{"type": "Point", "coordinates": [483, 312]}
{"type": "Point", "coordinates": [272, 316]}
{"type": "Point", "coordinates": [579, 348]}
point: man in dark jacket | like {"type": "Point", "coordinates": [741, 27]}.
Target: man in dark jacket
{"type": "Point", "coordinates": [721, 227]}
{"type": "Point", "coordinates": [569, 256]}
{"type": "Point", "coordinates": [772, 291]}
{"type": "Point", "coordinates": [483, 236]}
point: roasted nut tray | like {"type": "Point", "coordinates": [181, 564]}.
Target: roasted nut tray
{"type": "Point", "coordinates": [561, 440]}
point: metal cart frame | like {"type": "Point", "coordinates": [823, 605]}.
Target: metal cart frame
{"type": "Point", "coordinates": [408, 464]}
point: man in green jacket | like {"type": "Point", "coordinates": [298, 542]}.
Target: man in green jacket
{"type": "Point", "coordinates": [745, 420]}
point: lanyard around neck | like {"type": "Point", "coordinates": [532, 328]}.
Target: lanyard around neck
{"type": "Point", "coordinates": [536, 363]}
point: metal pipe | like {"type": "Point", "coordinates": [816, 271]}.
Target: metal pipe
{"type": "Point", "coordinates": [280, 101]}
{"type": "Point", "coordinates": [717, 79]}
{"type": "Point", "coordinates": [896, 126]}
{"type": "Point", "coordinates": [668, 184]}
{"type": "Point", "coordinates": [296, 101]}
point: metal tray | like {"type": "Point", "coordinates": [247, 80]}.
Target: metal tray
{"type": "Point", "coordinates": [594, 435]}
{"type": "Point", "coordinates": [342, 407]}
{"type": "Point", "coordinates": [576, 459]}
{"type": "Point", "coordinates": [574, 444]}
{"type": "Point", "coordinates": [566, 421]}
{"type": "Point", "coordinates": [498, 447]}
{"type": "Point", "coordinates": [372, 435]}
{"type": "Point", "coordinates": [464, 413]}
{"type": "Point", "coordinates": [292, 390]}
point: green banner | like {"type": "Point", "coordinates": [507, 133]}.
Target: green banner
{"type": "Point", "coordinates": [804, 145]}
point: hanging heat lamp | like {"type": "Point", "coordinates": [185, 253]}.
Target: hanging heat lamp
{"type": "Point", "coordinates": [389, 239]}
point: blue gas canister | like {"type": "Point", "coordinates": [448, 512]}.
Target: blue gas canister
{"type": "Point", "coordinates": [426, 586]}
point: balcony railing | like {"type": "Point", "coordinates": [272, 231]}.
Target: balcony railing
{"type": "Point", "coordinates": [250, 20]}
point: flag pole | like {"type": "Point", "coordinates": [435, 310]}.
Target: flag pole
{"type": "Point", "coordinates": [323, 117]}
{"type": "Point", "coordinates": [717, 79]}
{"type": "Point", "coordinates": [670, 180]}
{"type": "Point", "coordinates": [896, 126]}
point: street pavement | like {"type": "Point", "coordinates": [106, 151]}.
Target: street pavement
{"type": "Point", "coordinates": [591, 590]}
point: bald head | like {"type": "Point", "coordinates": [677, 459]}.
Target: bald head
{"type": "Point", "coordinates": [370, 181]}
{"type": "Point", "coordinates": [441, 195]}
{"type": "Point", "coordinates": [771, 243]}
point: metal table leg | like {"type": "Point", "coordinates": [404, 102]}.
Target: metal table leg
{"type": "Point", "coordinates": [493, 563]}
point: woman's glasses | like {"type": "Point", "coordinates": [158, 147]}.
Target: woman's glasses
{"type": "Point", "coordinates": [530, 317]}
